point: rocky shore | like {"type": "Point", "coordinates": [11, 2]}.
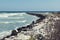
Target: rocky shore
{"type": "Point", "coordinates": [45, 28]}
{"type": "Point", "coordinates": [26, 28]}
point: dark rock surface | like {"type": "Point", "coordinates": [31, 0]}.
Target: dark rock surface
{"type": "Point", "coordinates": [14, 33]}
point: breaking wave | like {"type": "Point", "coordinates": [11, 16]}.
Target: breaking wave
{"type": "Point", "coordinates": [10, 14]}
{"type": "Point", "coordinates": [13, 22]}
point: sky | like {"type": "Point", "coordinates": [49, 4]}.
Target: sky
{"type": "Point", "coordinates": [29, 5]}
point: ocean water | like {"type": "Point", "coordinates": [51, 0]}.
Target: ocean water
{"type": "Point", "coordinates": [10, 21]}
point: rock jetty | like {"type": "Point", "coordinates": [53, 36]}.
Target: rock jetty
{"type": "Point", "coordinates": [28, 27]}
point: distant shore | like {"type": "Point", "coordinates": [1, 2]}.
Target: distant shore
{"type": "Point", "coordinates": [25, 28]}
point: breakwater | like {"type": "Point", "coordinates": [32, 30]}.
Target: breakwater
{"type": "Point", "coordinates": [25, 28]}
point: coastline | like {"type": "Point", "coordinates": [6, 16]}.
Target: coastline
{"type": "Point", "coordinates": [26, 28]}
{"type": "Point", "coordinates": [41, 29]}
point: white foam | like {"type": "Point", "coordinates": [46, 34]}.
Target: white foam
{"type": "Point", "coordinates": [11, 14]}
{"type": "Point", "coordinates": [4, 34]}
{"type": "Point", "coordinates": [13, 17]}
{"type": "Point", "coordinates": [22, 21]}
{"type": "Point", "coordinates": [7, 22]}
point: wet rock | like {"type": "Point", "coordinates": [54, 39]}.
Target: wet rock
{"type": "Point", "coordinates": [14, 33]}
{"type": "Point", "coordinates": [19, 29]}
{"type": "Point", "coordinates": [24, 29]}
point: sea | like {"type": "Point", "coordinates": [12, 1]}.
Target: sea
{"type": "Point", "coordinates": [11, 20]}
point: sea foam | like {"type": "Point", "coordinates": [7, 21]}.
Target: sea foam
{"type": "Point", "coordinates": [6, 22]}
{"type": "Point", "coordinates": [4, 34]}
{"type": "Point", "coordinates": [10, 14]}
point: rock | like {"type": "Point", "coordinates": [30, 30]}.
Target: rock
{"type": "Point", "coordinates": [14, 33]}
{"type": "Point", "coordinates": [39, 37]}
{"type": "Point", "coordinates": [24, 28]}
{"type": "Point", "coordinates": [19, 29]}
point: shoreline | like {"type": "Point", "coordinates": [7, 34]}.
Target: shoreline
{"type": "Point", "coordinates": [27, 27]}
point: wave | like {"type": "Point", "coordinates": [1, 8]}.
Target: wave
{"type": "Point", "coordinates": [22, 21]}
{"type": "Point", "coordinates": [11, 14]}
{"type": "Point", "coordinates": [4, 34]}
{"type": "Point", "coordinates": [13, 22]}
{"type": "Point", "coordinates": [12, 17]}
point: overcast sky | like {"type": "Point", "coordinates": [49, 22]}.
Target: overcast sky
{"type": "Point", "coordinates": [29, 5]}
